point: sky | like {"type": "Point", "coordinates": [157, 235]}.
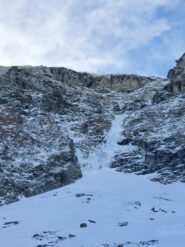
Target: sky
{"type": "Point", "coordinates": [98, 36]}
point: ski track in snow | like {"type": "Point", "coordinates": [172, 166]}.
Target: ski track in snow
{"type": "Point", "coordinates": [104, 207]}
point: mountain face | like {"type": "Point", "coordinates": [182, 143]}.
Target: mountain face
{"type": "Point", "coordinates": [51, 117]}
{"type": "Point", "coordinates": [117, 143]}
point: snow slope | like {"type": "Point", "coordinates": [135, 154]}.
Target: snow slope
{"type": "Point", "coordinates": [106, 197]}
{"type": "Point", "coordinates": [104, 208]}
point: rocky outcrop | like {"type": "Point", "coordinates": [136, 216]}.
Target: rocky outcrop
{"type": "Point", "coordinates": [176, 83]}
{"type": "Point", "coordinates": [25, 76]}
{"type": "Point", "coordinates": [157, 132]}
{"type": "Point", "coordinates": [177, 77]}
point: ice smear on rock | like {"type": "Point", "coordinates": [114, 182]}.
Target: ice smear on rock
{"type": "Point", "coordinates": [103, 154]}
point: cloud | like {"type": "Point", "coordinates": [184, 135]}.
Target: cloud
{"type": "Point", "coordinates": [94, 36]}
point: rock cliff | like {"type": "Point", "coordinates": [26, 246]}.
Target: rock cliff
{"type": "Point", "coordinates": [157, 131]}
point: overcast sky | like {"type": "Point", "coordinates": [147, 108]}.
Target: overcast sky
{"type": "Point", "coordinates": [99, 36]}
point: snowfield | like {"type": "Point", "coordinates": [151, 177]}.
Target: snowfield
{"type": "Point", "coordinates": [104, 208]}
{"type": "Point", "coordinates": [116, 209]}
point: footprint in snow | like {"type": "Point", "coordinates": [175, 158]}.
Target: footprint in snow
{"type": "Point", "coordinates": [157, 210]}
{"type": "Point", "coordinates": [88, 197]}
{"type": "Point", "coordinates": [78, 195]}
{"type": "Point", "coordinates": [134, 244]}
{"type": "Point", "coordinates": [162, 198]}
{"type": "Point", "coordinates": [83, 225]}
{"type": "Point", "coordinates": [92, 221]}
{"type": "Point", "coordinates": [135, 204]}
{"type": "Point", "coordinates": [10, 223]}
{"type": "Point", "coordinates": [122, 224]}
{"type": "Point", "coordinates": [51, 238]}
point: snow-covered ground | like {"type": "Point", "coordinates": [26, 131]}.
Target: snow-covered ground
{"type": "Point", "coordinates": [121, 207]}
{"type": "Point", "coordinates": [104, 208]}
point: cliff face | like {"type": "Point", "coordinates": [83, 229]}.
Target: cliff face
{"type": "Point", "coordinates": [25, 75]}
{"type": "Point", "coordinates": [157, 132]}
{"type": "Point", "coordinates": [177, 77]}
{"type": "Point", "coordinates": [37, 153]}
{"type": "Point", "coordinates": [41, 109]}
{"type": "Point", "coordinates": [48, 116]}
